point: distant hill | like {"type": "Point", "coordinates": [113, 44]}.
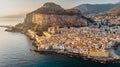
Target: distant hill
{"type": "Point", "coordinates": [118, 3]}
{"type": "Point", "coordinates": [94, 8]}
{"type": "Point", "coordinates": [114, 11]}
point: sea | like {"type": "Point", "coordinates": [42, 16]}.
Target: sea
{"type": "Point", "coordinates": [15, 51]}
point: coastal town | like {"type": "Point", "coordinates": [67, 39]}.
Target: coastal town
{"type": "Point", "coordinates": [59, 33]}
{"type": "Point", "coordinates": [94, 37]}
{"type": "Point", "coordinates": [91, 42]}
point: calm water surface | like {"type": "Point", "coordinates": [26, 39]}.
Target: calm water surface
{"type": "Point", "coordinates": [15, 52]}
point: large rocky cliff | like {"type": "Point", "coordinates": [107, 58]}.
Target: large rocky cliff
{"type": "Point", "coordinates": [50, 15]}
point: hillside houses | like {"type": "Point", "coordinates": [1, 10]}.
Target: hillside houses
{"type": "Point", "coordinates": [107, 20]}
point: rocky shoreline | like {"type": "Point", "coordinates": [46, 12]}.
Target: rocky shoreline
{"type": "Point", "coordinates": [78, 56]}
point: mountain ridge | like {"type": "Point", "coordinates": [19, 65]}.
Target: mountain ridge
{"type": "Point", "coordinates": [87, 9]}
{"type": "Point", "coordinates": [112, 12]}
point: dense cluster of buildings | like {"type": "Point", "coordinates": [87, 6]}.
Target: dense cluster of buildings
{"type": "Point", "coordinates": [92, 42]}
{"type": "Point", "coordinates": [107, 19]}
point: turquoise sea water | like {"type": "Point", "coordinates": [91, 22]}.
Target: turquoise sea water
{"type": "Point", "coordinates": [15, 52]}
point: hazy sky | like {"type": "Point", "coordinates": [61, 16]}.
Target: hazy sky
{"type": "Point", "coordinates": [10, 7]}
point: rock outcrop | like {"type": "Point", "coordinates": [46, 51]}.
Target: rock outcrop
{"type": "Point", "coordinates": [50, 15]}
